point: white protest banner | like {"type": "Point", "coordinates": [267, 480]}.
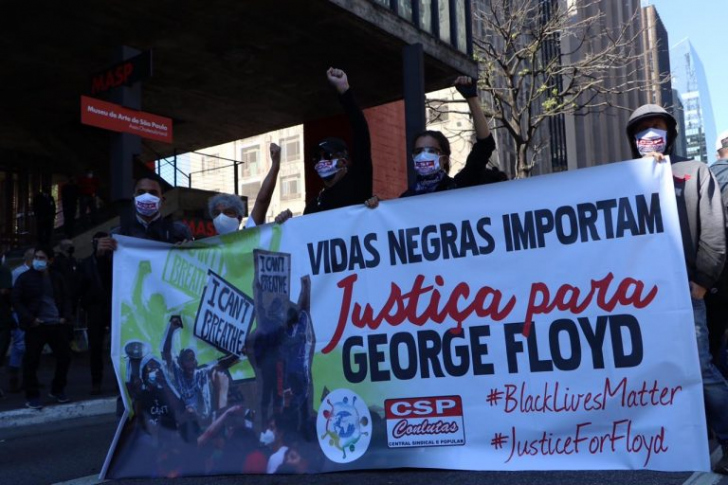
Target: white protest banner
{"type": "Point", "coordinates": [540, 324]}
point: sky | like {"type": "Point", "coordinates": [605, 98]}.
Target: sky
{"type": "Point", "coordinates": [703, 22]}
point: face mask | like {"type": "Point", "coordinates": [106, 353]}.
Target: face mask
{"type": "Point", "coordinates": [327, 168]}
{"type": "Point", "coordinates": [426, 163]}
{"type": "Point", "coordinates": [71, 250]}
{"type": "Point", "coordinates": [651, 140]}
{"type": "Point", "coordinates": [225, 224]}
{"type": "Point", "coordinates": [147, 205]}
{"type": "Point", "coordinates": [153, 377]}
{"type": "Point", "coordinates": [267, 437]}
{"type": "Point", "coordinates": [39, 265]}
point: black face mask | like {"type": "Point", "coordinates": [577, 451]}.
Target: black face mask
{"type": "Point", "coordinates": [71, 250]}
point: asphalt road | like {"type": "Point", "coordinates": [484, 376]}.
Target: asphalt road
{"type": "Point", "coordinates": [73, 451]}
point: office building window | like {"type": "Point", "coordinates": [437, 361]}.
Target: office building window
{"type": "Point", "coordinates": [291, 149]}
{"type": "Point", "coordinates": [250, 157]}
{"type": "Point", "coordinates": [290, 187]}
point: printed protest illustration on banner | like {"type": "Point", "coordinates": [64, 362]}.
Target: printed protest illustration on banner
{"type": "Point", "coordinates": [514, 326]}
{"type": "Point", "coordinates": [225, 316]}
{"type": "Point", "coordinates": [282, 344]}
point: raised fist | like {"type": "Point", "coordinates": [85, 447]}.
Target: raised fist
{"type": "Point", "coordinates": [275, 153]}
{"type": "Point", "coordinates": [338, 79]}
{"type": "Point", "coordinates": [466, 86]}
{"type": "Point", "coordinates": [176, 321]}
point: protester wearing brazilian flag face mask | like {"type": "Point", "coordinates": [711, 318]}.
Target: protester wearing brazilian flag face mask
{"type": "Point", "coordinates": [651, 132]}
{"type": "Point", "coordinates": [227, 210]}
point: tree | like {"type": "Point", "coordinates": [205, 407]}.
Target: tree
{"type": "Point", "coordinates": [541, 59]}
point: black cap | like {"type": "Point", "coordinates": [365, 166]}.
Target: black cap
{"type": "Point", "coordinates": [330, 146]}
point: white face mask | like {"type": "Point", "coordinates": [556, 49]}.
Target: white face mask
{"type": "Point", "coordinates": [267, 437]}
{"type": "Point", "coordinates": [147, 204]}
{"type": "Point", "coordinates": [426, 163]}
{"type": "Point", "coordinates": [327, 168]}
{"type": "Point", "coordinates": [225, 224]}
{"type": "Point", "coordinates": [40, 265]}
{"type": "Point", "coordinates": [651, 140]}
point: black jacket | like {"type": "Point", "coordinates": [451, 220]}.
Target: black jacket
{"type": "Point", "coordinates": [162, 229]}
{"type": "Point", "coordinates": [356, 186]}
{"type": "Point", "coordinates": [27, 294]}
{"type": "Point", "coordinates": [473, 173]}
{"type": "Point", "coordinates": [95, 285]}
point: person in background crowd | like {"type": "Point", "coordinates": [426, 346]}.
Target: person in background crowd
{"type": "Point", "coordinates": [44, 208]}
{"type": "Point", "coordinates": [347, 176]}
{"type": "Point", "coordinates": [43, 305]}
{"type": "Point", "coordinates": [6, 313]}
{"type": "Point", "coordinates": [227, 210]}
{"type": "Point", "coordinates": [88, 187]}
{"type": "Point", "coordinates": [651, 132]}
{"type": "Point", "coordinates": [716, 300]}
{"type": "Point", "coordinates": [95, 292]}
{"type": "Point", "coordinates": [66, 264]}
{"type": "Point", "coordinates": [17, 349]}
{"type": "Point", "coordinates": [69, 205]}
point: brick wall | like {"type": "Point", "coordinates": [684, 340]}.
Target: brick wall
{"type": "Point", "coordinates": [386, 125]}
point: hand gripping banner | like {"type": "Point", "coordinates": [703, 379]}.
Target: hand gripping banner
{"type": "Point", "coordinates": [542, 324]}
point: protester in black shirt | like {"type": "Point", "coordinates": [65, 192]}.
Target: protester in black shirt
{"type": "Point", "coordinates": [43, 305]}
{"type": "Point", "coordinates": [347, 176]}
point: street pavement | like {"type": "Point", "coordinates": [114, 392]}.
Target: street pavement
{"type": "Point", "coordinates": [67, 444]}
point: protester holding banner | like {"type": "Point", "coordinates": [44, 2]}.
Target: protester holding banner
{"type": "Point", "coordinates": [227, 210]}
{"type": "Point", "coordinates": [431, 152]}
{"type": "Point", "coordinates": [347, 176]}
{"type": "Point", "coordinates": [651, 132]}
{"type": "Point", "coordinates": [148, 222]}
{"type": "Point", "coordinates": [716, 301]}
{"type": "Point", "coordinates": [43, 305]}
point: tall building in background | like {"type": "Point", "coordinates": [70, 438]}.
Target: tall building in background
{"type": "Point", "coordinates": [596, 138]}
{"type": "Point", "coordinates": [656, 59]}
{"type": "Point", "coordinates": [214, 169]}
{"type": "Point", "coordinates": [688, 78]}
{"type": "Point", "coordinates": [678, 110]}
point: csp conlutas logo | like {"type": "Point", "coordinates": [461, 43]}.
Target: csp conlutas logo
{"type": "Point", "coordinates": [344, 426]}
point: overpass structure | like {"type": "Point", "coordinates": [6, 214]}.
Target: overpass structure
{"type": "Point", "coordinates": [222, 70]}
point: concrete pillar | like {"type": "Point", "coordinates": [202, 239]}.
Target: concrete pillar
{"type": "Point", "coordinates": [414, 99]}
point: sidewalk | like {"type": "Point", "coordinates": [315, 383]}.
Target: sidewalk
{"type": "Point", "coordinates": [12, 407]}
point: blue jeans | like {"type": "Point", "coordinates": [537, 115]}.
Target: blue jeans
{"type": "Point", "coordinates": [17, 348]}
{"type": "Point", "coordinates": [715, 387]}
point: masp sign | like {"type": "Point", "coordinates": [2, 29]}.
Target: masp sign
{"type": "Point", "coordinates": [124, 73]}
